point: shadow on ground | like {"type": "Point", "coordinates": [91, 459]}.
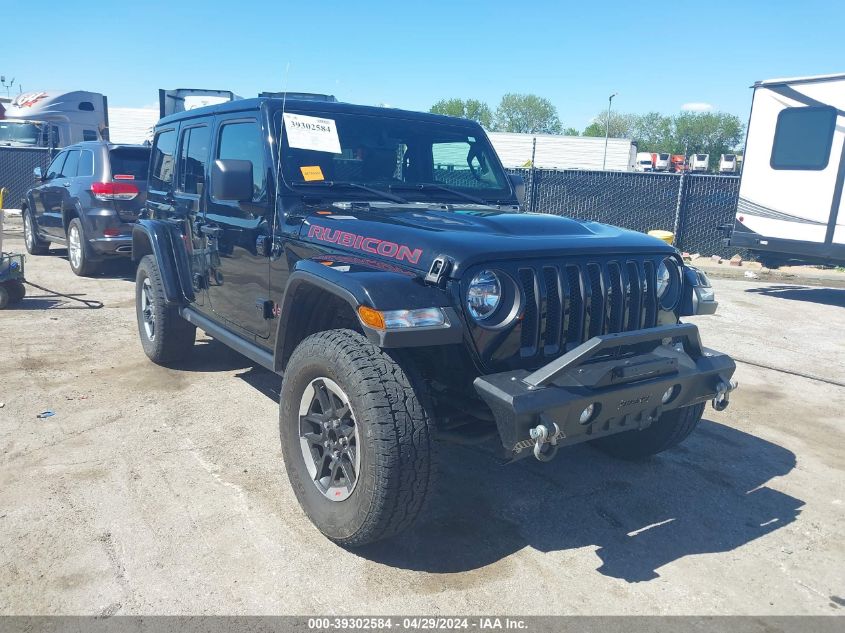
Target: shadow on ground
{"type": "Point", "coordinates": [826, 296]}
{"type": "Point", "coordinates": [708, 495]}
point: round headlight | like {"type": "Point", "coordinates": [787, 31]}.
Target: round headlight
{"type": "Point", "coordinates": [483, 295]}
{"type": "Point", "coordinates": [668, 283]}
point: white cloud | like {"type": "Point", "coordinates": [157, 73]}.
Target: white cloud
{"type": "Point", "coordinates": [697, 106]}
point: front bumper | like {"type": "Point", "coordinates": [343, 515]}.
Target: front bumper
{"type": "Point", "coordinates": [623, 376]}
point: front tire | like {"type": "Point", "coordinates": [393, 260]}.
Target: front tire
{"type": "Point", "coordinates": [357, 439]}
{"type": "Point", "coordinates": [34, 244]}
{"type": "Point", "coordinates": [165, 336]}
{"type": "Point", "coordinates": [77, 250]}
{"type": "Point", "coordinates": [670, 429]}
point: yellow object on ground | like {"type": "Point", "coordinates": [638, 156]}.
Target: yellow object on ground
{"type": "Point", "coordinates": [666, 236]}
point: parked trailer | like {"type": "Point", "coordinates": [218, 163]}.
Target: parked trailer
{"type": "Point", "coordinates": [790, 195]}
{"type": "Point", "coordinates": [555, 151]}
{"type": "Point", "coordinates": [727, 164]}
{"type": "Point", "coordinates": [661, 161]}
{"type": "Point", "coordinates": [699, 163]}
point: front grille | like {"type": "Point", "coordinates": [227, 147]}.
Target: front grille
{"type": "Point", "coordinates": [567, 304]}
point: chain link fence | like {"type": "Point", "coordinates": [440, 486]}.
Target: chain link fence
{"type": "Point", "coordinates": [16, 165]}
{"type": "Point", "coordinates": [691, 206]}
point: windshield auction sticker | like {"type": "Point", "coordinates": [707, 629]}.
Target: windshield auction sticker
{"type": "Point", "coordinates": [312, 133]}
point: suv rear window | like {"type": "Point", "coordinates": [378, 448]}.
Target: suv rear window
{"type": "Point", "coordinates": [127, 161]}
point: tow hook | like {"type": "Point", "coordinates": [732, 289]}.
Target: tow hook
{"type": "Point", "coordinates": [541, 437]}
{"type": "Point", "coordinates": [723, 390]}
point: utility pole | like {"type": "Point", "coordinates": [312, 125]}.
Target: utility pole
{"type": "Point", "coordinates": [607, 129]}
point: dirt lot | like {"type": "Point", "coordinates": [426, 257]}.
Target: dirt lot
{"type": "Point", "coordinates": [156, 491]}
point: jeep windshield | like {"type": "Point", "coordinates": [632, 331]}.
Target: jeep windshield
{"type": "Point", "coordinates": [348, 155]}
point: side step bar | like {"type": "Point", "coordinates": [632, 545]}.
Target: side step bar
{"type": "Point", "coordinates": [240, 345]}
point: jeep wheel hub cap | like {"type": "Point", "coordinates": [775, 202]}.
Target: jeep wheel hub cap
{"type": "Point", "coordinates": [329, 439]}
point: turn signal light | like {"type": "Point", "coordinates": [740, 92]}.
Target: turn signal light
{"type": "Point", "coordinates": [371, 317]}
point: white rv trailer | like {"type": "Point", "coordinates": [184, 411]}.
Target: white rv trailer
{"type": "Point", "coordinates": [727, 164]}
{"type": "Point", "coordinates": [699, 163]}
{"type": "Point", "coordinates": [555, 151]}
{"type": "Point", "coordinates": [790, 193]}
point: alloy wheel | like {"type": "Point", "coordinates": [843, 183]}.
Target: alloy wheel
{"type": "Point", "coordinates": [329, 439]}
{"type": "Point", "coordinates": [74, 247]}
{"type": "Point", "coordinates": [148, 309]}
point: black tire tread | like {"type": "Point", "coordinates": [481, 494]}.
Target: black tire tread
{"type": "Point", "coordinates": [41, 247]}
{"type": "Point", "coordinates": [87, 267]}
{"type": "Point", "coordinates": [174, 336]}
{"type": "Point", "coordinates": [671, 428]}
{"type": "Point", "coordinates": [403, 431]}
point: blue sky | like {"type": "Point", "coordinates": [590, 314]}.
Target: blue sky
{"type": "Point", "coordinates": [656, 55]}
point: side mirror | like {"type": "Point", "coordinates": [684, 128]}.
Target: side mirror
{"type": "Point", "coordinates": [518, 184]}
{"type": "Point", "coordinates": [231, 179]}
{"type": "Point", "coordinates": [37, 173]}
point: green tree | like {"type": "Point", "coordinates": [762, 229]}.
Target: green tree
{"type": "Point", "coordinates": [653, 132]}
{"type": "Point", "coordinates": [711, 133]}
{"type": "Point", "coordinates": [571, 131]}
{"type": "Point", "coordinates": [621, 125]}
{"type": "Point", "coordinates": [465, 108]}
{"type": "Point", "coordinates": [526, 113]}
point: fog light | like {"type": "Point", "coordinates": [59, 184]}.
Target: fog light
{"type": "Point", "coordinates": [587, 414]}
{"type": "Point", "coordinates": [667, 395]}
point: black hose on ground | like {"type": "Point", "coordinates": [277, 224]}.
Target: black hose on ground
{"type": "Point", "coordinates": [90, 303]}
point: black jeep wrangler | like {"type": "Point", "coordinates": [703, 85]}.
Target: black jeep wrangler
{"type": "Point", "coordinates": [379, 262]}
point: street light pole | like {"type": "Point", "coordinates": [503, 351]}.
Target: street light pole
{"type": "Point", "coordinates": [607, 129]}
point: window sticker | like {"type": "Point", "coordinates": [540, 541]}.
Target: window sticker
{"type": "Point", "coordinates": [311, 172]}
{"type": "Point", "coordinates": [312, 133]}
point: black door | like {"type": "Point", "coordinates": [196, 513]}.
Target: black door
{"type": "Point", "coordinates": [47, 200]}
{"type": "Point", "coordinates": [239, 284]}
{"type": "Point", "coordinates": [189, 200]}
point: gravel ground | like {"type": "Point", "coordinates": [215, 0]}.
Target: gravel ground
{"type": "Point", "coordinates": [162, 491]}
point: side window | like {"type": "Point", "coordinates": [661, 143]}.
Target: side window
{"type": "Point", "coordinates": [55, 167]}
{"type": "Point", "coordinates": [161, 161]}
{"type": "Point", "coordinates": [803, 138]}
{"type": "Point", "coordinates": [193, 158]}
{"type": "Point", "coordinates": [86, 163]}
{"type": "Point", "coordinates": [89, 135]}
{"type": "Point", "coordinates": [243, 141]}
{"type": "Point", "coordinates": [69, 168]}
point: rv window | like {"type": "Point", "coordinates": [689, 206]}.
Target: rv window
{"type": "Point", "coordinates": [803, 138]}
{"type": "Point", "coordinates": [161, 161]}
{"type": "Point", "coordinates": [89, 135]}
{"type": "Point", "coordinates": [86, 163]}
{"type": "Point", "coordinates": [69, 168]}
{"type": "Point", "coordinates": [193, 157]}
{"type": "Point", "coordinates": [130, 161]}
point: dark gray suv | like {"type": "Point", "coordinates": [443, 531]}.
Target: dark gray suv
{"type": "Point", "coordinates": [88, 200]}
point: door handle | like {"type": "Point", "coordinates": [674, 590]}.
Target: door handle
{"type": "Point", "coordinates": [65, 184]}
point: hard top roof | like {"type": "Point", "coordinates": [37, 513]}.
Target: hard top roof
{"type": "Point", "coordinates": [310, 105]}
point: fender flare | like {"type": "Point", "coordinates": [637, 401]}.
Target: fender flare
{"type": "Point", "coordinates": [388, 291]}
{"type": "Point", "coordinates": [163, 240]}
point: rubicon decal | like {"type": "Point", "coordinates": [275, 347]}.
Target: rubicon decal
{"type": "Point", "coordinates": [373, 245]}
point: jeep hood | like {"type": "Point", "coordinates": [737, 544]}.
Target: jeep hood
{"type": "Point", "coordinates": [412, 235]}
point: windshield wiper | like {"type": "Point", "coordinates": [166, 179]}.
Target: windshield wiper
{"type": "Point", "coordinates": [428, 186]}
{"type": "Point", "coordinates": [332, 184]}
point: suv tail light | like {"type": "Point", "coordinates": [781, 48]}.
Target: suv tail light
{"type": "Point", "coordinates": [114, 190]}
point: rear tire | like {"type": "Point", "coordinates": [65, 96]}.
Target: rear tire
{"type": "Point", "coordinates": [375, 410]}
{"type": "Point", "coordinates": [165, 336]}
{"type": "Point", "coordinates": [34, 244]}
{"type": "Point", "coordinates": [77, 250]}
{"type": "Point", "coordinates": [670, 429]}
{"type": "Point", "coordinates": [5, 299]}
